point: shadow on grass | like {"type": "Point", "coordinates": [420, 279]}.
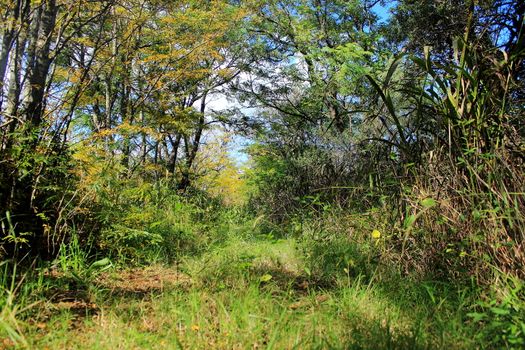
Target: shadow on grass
{"type": "Point", "coordinates": [84, 299]}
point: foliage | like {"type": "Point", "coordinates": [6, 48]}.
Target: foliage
{"type": "Point", "coordinates": [434, 145]}
{"type": "Point", "coordinates": [382, 204]}
{"type": "Point", "coordinates": [217, 173]}
{"type": "Point", "coordinates": [501, 317]}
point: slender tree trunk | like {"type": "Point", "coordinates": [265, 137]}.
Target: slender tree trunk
{"type": "Point", "coordinates": [144, 144]}
{"type": "Point", "coordinates": [126, 118]}
{"type": "Point", "coordinates": [192, 148]}
{"type": "Point", "coordinates": [8, 40]}
{"type": "Point", "coordinates": [13, 95]}
{"type": "Point", "coordinates": [175, 143]}
{"type": "Point", "coordinates": [39, 72]}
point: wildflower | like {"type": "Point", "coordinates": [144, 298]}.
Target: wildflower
{"type": "Point", "coordinates": [195, 327]}
{"type": "Point", "coordinates": [376, 234]}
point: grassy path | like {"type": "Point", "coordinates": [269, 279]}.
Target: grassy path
{"type": "Point", "coordinates": [244, 295]}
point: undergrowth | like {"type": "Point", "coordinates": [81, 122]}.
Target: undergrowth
{"type": "Point", "coordinates": [252, 288]}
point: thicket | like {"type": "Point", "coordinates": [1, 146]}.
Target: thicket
{"type": "Point", "coordinates": [104, 105]}
{"type": "Point", "coordinates": [435, 144]}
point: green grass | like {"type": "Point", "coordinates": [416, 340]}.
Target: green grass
{"type": "Point", "coordinates": [247, 294]}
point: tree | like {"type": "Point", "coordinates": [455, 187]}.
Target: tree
{"type": "Point", "coordinates": [35, 36]}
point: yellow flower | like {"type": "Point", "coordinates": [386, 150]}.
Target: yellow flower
{"type": "Point", "coordinates": [376, 234]}
{"type": "Point", "coordinates": [195, 327]}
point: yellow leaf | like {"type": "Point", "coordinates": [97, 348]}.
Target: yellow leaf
{"type": "Point", "coordinates": [265, 278]}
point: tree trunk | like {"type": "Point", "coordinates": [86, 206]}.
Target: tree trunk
{"type": "Point", "coordinates": [8, 40]}
{"type": "Point", "coordinates": [23, 187]}
{"type": "Point", "coordinates": [13, 95]}
{"type": "Point", "coordinates": [192, 149]}
{"type": "Point", "coordinates": [175, 143]}
{"type": "Point", "coordinates": [39, 71]}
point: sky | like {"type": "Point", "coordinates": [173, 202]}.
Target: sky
{"type": "Point", "coordinates": [383, 11]}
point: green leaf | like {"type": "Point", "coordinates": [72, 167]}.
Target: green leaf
{"type": "Point", "coordinates": [100, 263]}
{"type": "Point", "coordinates": [429, 202]}
{"type": "Point", "coordinates": [392, 69]}
{"type": "Point", "coordinates": [409, 221]}
{"type": "Point", "coordinates": [476, 317]}
{"type": "Point", "coordinates": [499, 311]}
{"type": "Point", "coordinates": [265, 278]}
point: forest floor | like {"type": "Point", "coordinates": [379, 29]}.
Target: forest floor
{"type": "Point", "coordinates": [254, 294]}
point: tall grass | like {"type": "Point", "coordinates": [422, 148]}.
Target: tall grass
{"type": "Point", "coordinates": [470, 171]}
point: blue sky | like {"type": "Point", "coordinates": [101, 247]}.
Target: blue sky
{"type": "Point", "coordinates": [383, 11]}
